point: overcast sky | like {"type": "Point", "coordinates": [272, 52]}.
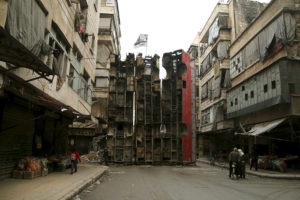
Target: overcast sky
{"type": "Point", "coordinates": [170, 24]}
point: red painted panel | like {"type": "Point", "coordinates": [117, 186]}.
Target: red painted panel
{"type": "Point", "coordinates": [187, 111]}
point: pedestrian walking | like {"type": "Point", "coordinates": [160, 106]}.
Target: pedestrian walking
{"type": "Point", "coordinates": [242, 164]}
{"type": "Point", "coordinates": [254, 158]}
{"type": "Point", "coordinates": [105, 156]}
{"type": "Point", "coordinates": [75, 157]}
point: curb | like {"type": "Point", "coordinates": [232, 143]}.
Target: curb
{"type": "Point", "coordinates": [82, 187]}
{"type": "Point", "coordinates": [271, 176]}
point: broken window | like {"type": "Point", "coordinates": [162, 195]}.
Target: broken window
{"type": "Point", "coordinates": [220, 22]}
{"type": "Point", "coordinates": [73, 78]}
{"type": "Point", "coordinates": [276, 35]}
{"type": "Point", "coordinates": [58, 60]}
{"type": "Point", "coordinates": [204, 94]}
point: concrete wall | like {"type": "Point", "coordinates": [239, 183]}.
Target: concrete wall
{"type": "Point", "coordinates": [252, 92]}
{"type": "Point", "coordinates": [272, 10]}
{"type": "Point", "coordinates": [242, 13]}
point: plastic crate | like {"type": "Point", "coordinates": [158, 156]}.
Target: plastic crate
{"type": "Point", "coordinates": [18, 174]}
{"type": "Point", "coordinates": [29, 174]}
{"type": "Point", "coordinates": [44, 172]}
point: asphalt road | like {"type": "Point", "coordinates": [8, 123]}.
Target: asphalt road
{"type": "Point", "coordinates": [184, 183]}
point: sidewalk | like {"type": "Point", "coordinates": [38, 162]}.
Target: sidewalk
{"type": "Point", "coordinates": [260, 172]}
{"type": "Point", "coordinates": [55, 186]}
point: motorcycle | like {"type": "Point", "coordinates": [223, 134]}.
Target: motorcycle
{"type": "Point", "coordinates": [234, 173]}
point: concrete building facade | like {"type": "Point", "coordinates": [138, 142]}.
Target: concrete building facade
{"type": "Point", "coordinates": [264, 75]}
{"type": "Point", "coordinates": [47, 70]}
{"type": "Point", "coordinates": [109, 49]}
{"type": "Point", "coordinates": [225, 23]}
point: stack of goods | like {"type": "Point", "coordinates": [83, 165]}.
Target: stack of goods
{"type": "Point", "coordinates": [30, 168]}
{"type": "Point", "coordinates": [33, 168]}
{"type": "Point", "coordinates": [44, 162]}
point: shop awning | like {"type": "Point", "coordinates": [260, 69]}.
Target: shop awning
{"type": "Point", "coordinates": [13, 52]}
{"type": "Point", "coordinates": [258, 129]}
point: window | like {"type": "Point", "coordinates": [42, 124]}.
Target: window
{"type": "Point", "coordinates": [184, 84]}
{"type": "Point", "coordinates": [243, 88]}
{"type": "Point", "coordinates": [86, 76]}
{"type": "Point", "coordinates": [246, 97]}
{"type": "Point", "coordinates": [265, 88]}
{"type": "Point", "coordinates": [204, 94]}
{"type": "Point", "coordinates": [59, 59]}
{"type": "Point", "coordinates": [273, 84]}
{"type": "Point", "coordinates": [101, 82]}
{"type": "Point", "coordinates": [252, 94]}
{"type": "Point", "coordinates": [76, 54]}
{"type": "Point", "coordinates": [197, 91]}
{"type": "Point", "coordinates": [231, 103]}
{"type": "Point", "coordinates": [292, 89]}
{"type": "Point", "coordinates": [235, 101]}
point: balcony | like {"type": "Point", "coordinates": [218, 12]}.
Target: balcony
{"type": "Point", "coordinates": [107, 32]}
{"type": "Point", "coordinates": [22, 42]}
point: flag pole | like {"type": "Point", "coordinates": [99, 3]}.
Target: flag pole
{"type": "Point", "coordinates": [146, 47]}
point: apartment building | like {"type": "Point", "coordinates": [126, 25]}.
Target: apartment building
{"type": "Point", "coordinates": [47, 72]}
{"type": "Point", "coordinates": [264, 97]}
{"type": "Point", "coordinates": [225, 23]}
{"type": "Point", "coordinates": [109, 48]}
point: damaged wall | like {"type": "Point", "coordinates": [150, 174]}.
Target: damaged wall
{"type": "Point", "coordinates": [244, 12]}
{"type": "Point", "coordinates": [120, 140]}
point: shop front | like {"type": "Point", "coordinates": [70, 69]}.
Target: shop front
{"type": "Point", "coordinates": [276, 143]}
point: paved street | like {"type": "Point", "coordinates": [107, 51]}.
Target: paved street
{"type": "Point", "coordinates": [176, 183]}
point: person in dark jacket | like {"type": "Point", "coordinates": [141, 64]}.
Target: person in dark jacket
{"type": "Point", "coordinates": [242, 164]}
{"type": "Point", "coordinates": [105, 156]}
{"type": "Point", "coordinates": [234, 156]}
{"type": "Point", "coordinates": [75, 157]}
{"type": "Point", "coordinates": [254, 158]}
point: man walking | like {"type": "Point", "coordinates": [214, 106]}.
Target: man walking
{"type": "Point", "coordinates": [105, 156]}
{"type": "Point", "coordinates": [254, 158]}
{"type": "Point", "coordinates": [74, 160]}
